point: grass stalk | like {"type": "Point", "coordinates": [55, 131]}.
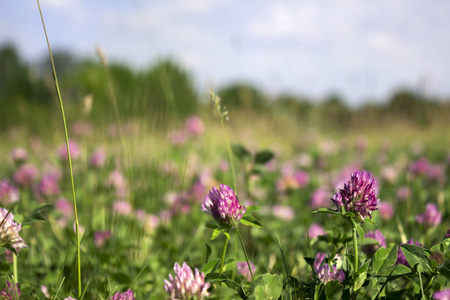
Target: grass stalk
{"type": "Point", "coordinates": [245, 251]}
{"type": "Point", "coordinates": [224, 252]}
{"type": "Point", "coordinates": [55, 79]}
{"type": "Point", "coordinates": [16, 275]}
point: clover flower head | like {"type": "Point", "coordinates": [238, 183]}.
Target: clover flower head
{"type": "Point", "coordinates": [386, 210]}
{"type": "Point", "coordinates": [8, 192]}
{"type": "Point", "coordinates": [19, 155]}
{"type": "Point", "coordinates": [358, 196]}
{"type": "Point", "coordinates": [186, 284]}
{"type": "Point", "coordinates": [370, 249]}
{"type": "Point", "coordinates": [242, 268]}
{"type": "Point", "coordinates": [128, 295]}
{"type": "Point", "coordinates": [11, 292]}
{"type": "Point", "coordinates": [401, 259]}
{"type": "Point", "coordinates": [73, 148]}
{"type": "Point", "coordinates": [194, 126]}
{"type": "Point", "coordinates": [283, 212]}
{"type": "Point", "coordinates": [9, 230]}
{"type": "Point", "coordinates": [442, 295]}
{"type": "Point", "coordinates": [316, 230]}
{"type": "Point", "coordinates": [26, 175]}
{"type": "Point", "coordinates": [328, 271]}
{"type": "Point", "coordinates": [430, 217]}
{"type": "Point", "coordinates": [98, 158]}
{"type": "Point", "coordinates": [223, 205]}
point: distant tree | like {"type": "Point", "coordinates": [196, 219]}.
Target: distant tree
{"type": "Point", "coordinates": [14, 78]}
{"type": "Point", "coordinates": [168, 89]}
{"type": "Point", "coordinates": [241, 95]}
{"type": "Point", "coordinates": [333, 111]}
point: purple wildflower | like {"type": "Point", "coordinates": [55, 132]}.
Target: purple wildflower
{"type": "Point", "coordinates": [430, 217]}
{"type": "Point", "coordinates": [122, 207]}
{"type": "Point", "coordinates": [386, 210]}
{"type": "Point", "coordinates": [26, 175]}
{"type": "Point", "coordinates": [128, 295]}
{"type": "Point", "coordinates": [8, 193]}
{"type": "Point", "coordinates": [117, 181]}
{"type": "Point", "coordinates": [316, 230]}
{"type": "Point", "coordinates": [370, 249]}
{"type": "Point", "coordinates": [19, 155]}
{"type": "Point", "coordinates": [319, 198]}
{"type": "Point", "coordinates": [48, 186]}
{"type": "Point", "coordinates": [242, 268]}
{"type": "Point", "coordinates": [194, 126]}
{"type": "Point", "coordinates": [98, 158]}
{"type": "Point", "coordinates": [185, 284]}
{"type": "Point", "coordinates": [358, 196]}
{"type": "Point", "coordinates": [442, 295]}
{"type": "Point", "coordinates": [9, 231]}
{"type": "Point", "coordinates": [283, 212]}
{"type": "Point", "coordinates": [177, 137]}
{"type": "Point", "coordinates": [100, 238]}
{"type": "Point", "coordinates": [447, 235]}
{"type": "Point", "coordinates": [328, 271]}
{"type": "Point", "coordinates": [74, 151]}
{"type": "Point", "coordinates": [11, 292]}
{"type": "Point", "coordinates": [389, 174]}
{"type": "Point", "coordinates": [403, 193]}
{"type": "Point", "coordinates": [81, 128]}
{"type": "Point", "coordinates": [223, 205]}
{"type": "Point", "coordinates": [69, 298]}
{"type": "Point", "coordinates": [64, 207]}
{"type": "Point", "coordinates": [401, 259]}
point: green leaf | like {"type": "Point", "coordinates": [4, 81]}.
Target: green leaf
{"type": "Point", "coordinates": [211, 266]}
{"type": "Point", "coordinates": [223, 292]}
{"type": "Point", "coordinates": [240, 151]}
{"type": "Point", "coordinates": [36, 215]}
{"type": "Point", "coordinates": [212, 226]}
{"type": "Point", "coordinates": [445, 272]}
{"type": "Point", "coordinates": [250, 221]}
{"type": "Point", "coordinates": [384, 258]}
{"type": "Point", "coordinates": [334, 290]}
{"type": "Point", "coordinates": [215, 277]}
{"type": "Point", "coordinates": [326, 211]}
{"type": "Point", "coordinates": [360, 231]}
{"type": "Point", "coordinates": [234, 285]}
{"type": "Point", "coordinates": [263, 157]}
{"type": "Point", "coordinates": [10, 248]}
{"type": "Point", "coordinates": [270, 285]}
{"type": "Point", "coordinates": [362, 275]}
{"type": "Point", "coordinates": [215, 234]}
{"type": "Point", "coordinates": [417, 257]}
{"type": "Point", "coordinates": [229, 265]}
{"type": "Point", "coordinates": [250, 209]}
{"type": "Point", "coordinates": [208, 252]}
{"type": "Point", "coordinates": [370, 221]}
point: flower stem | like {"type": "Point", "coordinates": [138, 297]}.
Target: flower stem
{"type": "Point", "coordinates": [224, 252]}
{"type": "Point", "coordinates": [55, 78]}
{"type": "Point", "coordinates": [245, 252]}
{"type": "Point", "coordinates": [16, 276]}
{"type": "Point", "coordinates": [355, 250]}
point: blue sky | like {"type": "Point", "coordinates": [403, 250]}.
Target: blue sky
{"type": "Point", "coordinates": [362, 49]}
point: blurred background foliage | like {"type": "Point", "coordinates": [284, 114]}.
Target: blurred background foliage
{"type": "Point", "coordinates": [166, 90]}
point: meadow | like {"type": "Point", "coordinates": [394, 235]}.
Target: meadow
{"type": "Point", "coordinates": [186, 196]}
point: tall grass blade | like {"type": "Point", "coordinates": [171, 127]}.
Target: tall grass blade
{"type": "Point", "coordinates": [55, 79]}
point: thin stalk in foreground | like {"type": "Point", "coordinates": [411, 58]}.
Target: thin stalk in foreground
{"type": "Point", "coordinates": [16, 276]}
{"type": "Point", "coordinates": [245, 252]}
{"type": "Point", "coordinates": [223, 114]}
{"type": "Point", "coordinates": [355, 250]}
{"type": "Point", "coordinates": [55, 79]}
{"type": "Point", "coordinates": [224, 252]}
